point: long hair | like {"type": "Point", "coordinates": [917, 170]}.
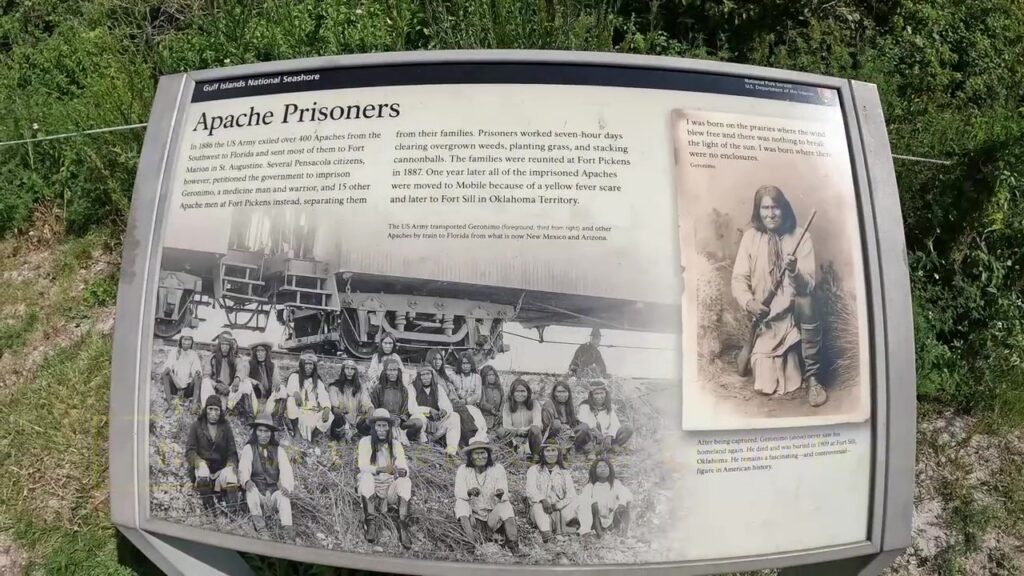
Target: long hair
{"type": "Point", "coordinates": [356, 381]}
{"type": "Point", "coordinates": [469, 458]}
{"type": "Point", "coordinates": [443, 372]}
{"type": "Point", "coordinates": [217, 359]}
{"type": "Point", "coordinates": [376, 443]}
{"type": "Point", "coordinates": [462, 358]}
{"type": "Point", "coordinates": [570, 407]}
{"type": "Point", "coordinates": [593, 471]}
{"type": "Point", "coordinates": [383, 378]}
{"type": "Point", "coordinates": [302, 374]}
{"type": "Point", "coordinates": [513, 406]}
{"type": "Point", "coordinates": [417, 382]}
{"type": "Point", "coordinates": [486, 371]}
{"type": "Point", "coordinates": [254, 364]}
{"type": "Point", "coordinates": [272, 444]}
{"type": "Point", "coordinates": [776, 194]}
{"type": "Point", "coordinates": [561, 462]}
{"type": "Point", "coordinates": [380, 345]}
{"type": "Point", "coordinates": [607, 401]}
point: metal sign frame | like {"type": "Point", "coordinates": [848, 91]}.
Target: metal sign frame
{"type": "Point", "coordinates": [181, 549]}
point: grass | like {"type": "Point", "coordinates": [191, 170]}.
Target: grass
{"type": "Point", "coordinates": [977, 474]}
{"type": "Point", "coordinates": [54, 445]}
{"type": "Point", "coordinates": [949, 73]}
{"type": "Point", "coordinates": [13, 335]}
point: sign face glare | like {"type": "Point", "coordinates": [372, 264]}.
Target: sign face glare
{"type": "Point", "coordinates": [511, 313]}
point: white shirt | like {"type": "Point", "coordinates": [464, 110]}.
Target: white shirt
{"type": "Point", "coordinates": [184, 365]}
{"type": "Point", "coordinates": [604, 421]}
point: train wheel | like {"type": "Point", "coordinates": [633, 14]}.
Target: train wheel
{"type": "Point", "coordinates": [170, 328]}
{"type": "Point", "coordinates": [350, 337]}
{"type": "Point", "coordinates": [329, 348]}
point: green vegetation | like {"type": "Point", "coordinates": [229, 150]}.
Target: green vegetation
{"type": "Point", "coordinates": [950, 72]}
{"type": "Point", "coordinates": [53, 500]}
{"type": "Point", "coordinates": [13, 335]}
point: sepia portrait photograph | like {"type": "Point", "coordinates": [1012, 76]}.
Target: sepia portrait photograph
{"type": "Point", "coordinates": [774, 308]}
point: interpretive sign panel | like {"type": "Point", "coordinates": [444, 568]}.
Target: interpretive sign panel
{"type": "Point", "coordinates": [537, 312]}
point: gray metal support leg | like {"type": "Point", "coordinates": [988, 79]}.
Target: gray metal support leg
{"type": "Point", "coordinates": [182, 558]}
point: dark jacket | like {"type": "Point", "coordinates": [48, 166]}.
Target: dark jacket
{"type": "Point", "coordinates": [266, 472]}
{"type": "Point", "coordinates": [425, 398]}
{"type": "Point", "coordinates": [587, 356]}
{"type": "Point", "coordinates": [549, 413]}
{"type": "Point", "coordinates": [215, 366]}
{"type": "Point", "coordinates": [377, 398]}
{"type": "Point", "coordinates": [217, 453]}
{"type": "Point", "coordinates": [492, 398]}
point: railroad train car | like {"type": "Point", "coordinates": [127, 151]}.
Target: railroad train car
{"type": "Point", "coordinates": [272, 266]}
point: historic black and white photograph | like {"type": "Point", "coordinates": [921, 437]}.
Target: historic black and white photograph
{"type": "Point", "coordinates": [301, 399]}
{"type": "Point", "coordinates": [774, 291]}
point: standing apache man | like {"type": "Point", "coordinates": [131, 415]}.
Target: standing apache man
{"type": "Point", "coordinates": [550, 491]}
{"type": "Point", "coordinates": [266, 474]}
{"type": "Point", "coordinates": [309, 404]}
{"type": "Point", "coordinates": [587, 361]}
{"type": "Point", "coordinates": [771, 254]}
{"type": "Point", "coordinates": [212, 457]}
{"type": "Point", "coordinates": [383, 477]}
{"type": "Point", "coordinates": [182, 372]}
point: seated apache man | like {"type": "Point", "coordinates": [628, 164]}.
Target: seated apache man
{"type": "Point", "coordinates": [182, 372]}
{"type": "Point", "coordinates": [521, 420]}
{"type": "Point", "coordinates": [471, 418]}
{"type": "Point", "coordinates": [212, 457]}
{"type": "Point", "coordinates": [587, 361]}
{"type": "Point", "coordinates": [550, 491]}
{"type": "Point", "coordinates": [309, 404]}
{"type": "Point", "coordinates": [385, 351]}
{"type": "Point", "coordinates": [393, 395]}
{"type": "Point", "coordinates": [604, 501]}
{"type": "Point", "coordinates": [492, 397]}
{"type": "Point", "coordinates": [558, 417]}
{"type": "Point", "coordinates": [602, 423]}
{"type": "Point", "coordinates": [266, 475]}
{"type": "Point", "coordinates": [227, 371]}
{"type": "Point", "coordinates": [350, 402]}
{"type": "Point", "coordinates": [431, 404]}
{"type": "Point", "coordinates": [266, 381]}
{"type": "Point", "coordinates": [481, 496]}
{"type": "Point", "coordinates": [383, 477]}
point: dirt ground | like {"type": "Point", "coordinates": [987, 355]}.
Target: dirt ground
{"type": "Point", "coordinates": [326, 509]}
{"type": "Point", "coordinates": [725, 383]}
{"type": "Point", "coordinates": [12, 559]}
